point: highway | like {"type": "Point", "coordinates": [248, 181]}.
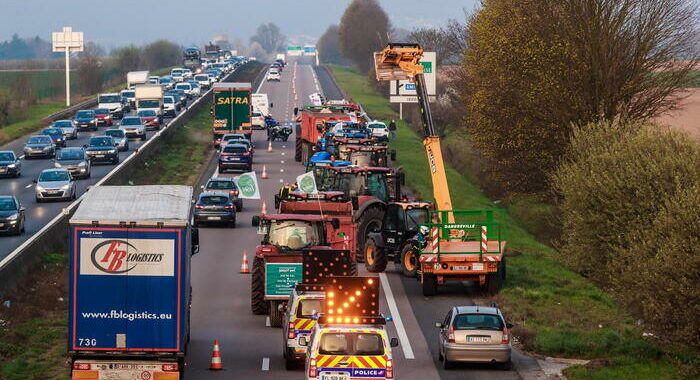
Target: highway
{"type": "Point", "coordinates": [221, 296]}
{"type": "Point", "coordinates": [39, 214]}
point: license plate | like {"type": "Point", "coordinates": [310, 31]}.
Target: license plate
{"type": "Point", "coordinates": [2, 170]}
{"type": "Point", "coordinates": [460, 267]}
{"type": "Point", "coordinates": [2, 224]}
{"type": "Point", "coordinates": [478, 266]}
{"type": "Point", "coordinates": [334, 376]}
{"type": "Point", "coordinates": [99, 155]}
{"type": "Point", "coordinates": [214, 218]}
{"type": "Point", "coordinates": [478, 339]}
{"type": "Point", "coordinates": [233, 158]}
{"type": "Point", "coordinates": [52, 191]}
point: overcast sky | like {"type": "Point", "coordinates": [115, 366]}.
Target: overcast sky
{"type": "Point", "coordinates": [118, 22]}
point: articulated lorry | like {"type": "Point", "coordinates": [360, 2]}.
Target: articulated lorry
{"type": "Point", "coordinates": [232, 109]}
{"type": "Point", "coordinates": [129, 283]}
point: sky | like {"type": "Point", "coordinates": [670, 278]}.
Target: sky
{"type": "Point", "coordinates": [113, 23]}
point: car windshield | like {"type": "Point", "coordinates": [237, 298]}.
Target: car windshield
{"type": "Point", "coordinates": [131, 121]}
{"type": "Point", "coordinates": [7, 156]}
{"type": "Point", "coordinates": [168, 99]}
{"type": "Point", "coordinates": [115, 133]}
{"type": "Point", "coordinates": [147, 113]}
{"type": "Point", "coordinates": [101, 141]}
{"type": "Point", "coordinates": [8, 204]}
{"type": "Point", "coordinates": [176, 72]}
{"type": "Point", "coordinates": [235, 138]}
{"type": "Point", "coordinates": [201, 77]}
{"type": "Point", "coordinates": [54, 175]}
{"type": "Point", "coordinates": [478, 322]}
{"type": "Point", "coordinates": [84, 114]}
{"type": "Point", "coordinates": [293, 234]}
{"type": "Point", "coordinates": [165, 80]}
{"type": "Point", "coordinates": [307, 307]}
{"type": "Point", "coordinates": [63, 124]}
{"type": "Point", "coordinates": [149, 104]}
{"type": "Point", "coordinates": [39, 140]}
{"type": "Point", "coordinates": [184, 86]}
{"type": "Point", "coordinates": [213, 200]}
{"type": "Point", "coordinates": [109, 99]}
{"type": "Point", "coordinates": [129, 94]}
{"type": "Point", "coordinates": [101, 111]}
{"type": "Point", "coordinates": [256, 114]}
{"type": "Point", "coordinates": [71, 154]}
{"type": "Point", "coordinates": [416, 216]}
{"type": "Point", "coordinates": [53, 132]}
{"type": "Point", "coordinates": [221, 185]}
{"type": "Point", "coordinates": [350, 343]}
{"type": "Point", "coordinates": [235, 149]}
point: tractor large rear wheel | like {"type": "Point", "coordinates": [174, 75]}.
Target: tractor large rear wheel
{"type": "Point", "coordinates": [370, 220]}
{"type": "Point", "coordinates": [257, 288]}
{"type": "Point", "coordinates": [375, 257]}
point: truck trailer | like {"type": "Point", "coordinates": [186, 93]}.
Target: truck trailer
{"type": "Point", "coordinates": [232, 109]}
{"type": "Point", "coordinates": [129, 286]}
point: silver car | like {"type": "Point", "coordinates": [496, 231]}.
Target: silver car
{"type": "Point", "coordinates": [119, 137]}
{"type": "Point", "coordinates": [475, 334]}
{"type": "Point", "coordinates": [133, 127]}
{"type": "Point", "coordinates": [70, 132]}
{"type": "Point", "coordinates": [54, 184]}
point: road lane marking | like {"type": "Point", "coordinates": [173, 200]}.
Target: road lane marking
{"type": "Point", "coordinates": [267, 322]}
{"type": "Point", "coordinates": [398, 323]}
{"type": "Point", "coordinates": [28, 186]}
{"type": "Point", "coordinates": [281, 161]}
{"type": "Point", "coordinates": [266, 364]}
{"type": "Point", "coordinates": [21, 157]}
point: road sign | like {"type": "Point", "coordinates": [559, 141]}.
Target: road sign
{"type": "Point", "coordinates": [404, 91]}
{"type": "Point", "coordinates": [310, 50]}
{"type": "Point", "coordinates": [279, 277]}
{"type": "Point", "coordinates": [295, 51]}
{"type": "Point", "coordinates": [67, 41]}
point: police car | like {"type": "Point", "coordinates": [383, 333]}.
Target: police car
{"type": "Point", "coordinates": [350, 340]}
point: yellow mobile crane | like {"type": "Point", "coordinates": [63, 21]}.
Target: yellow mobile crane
{"type": "Point", "coordinates": [399, 61]}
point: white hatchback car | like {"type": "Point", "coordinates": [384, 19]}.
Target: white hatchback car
{"type": "Point", "coordinates": [273, 75]}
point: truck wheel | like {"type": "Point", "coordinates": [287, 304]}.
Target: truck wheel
{"type": "Point", "coordinates": [502, 269]}
{"type": "Point", "coordinates": [409, 262]}
{"type": "Point", "coordinates": [353, 269]}
{"type": "Point", "coordinates": [494, 282]}
{"type": "Point", "coordinates": [290, 363]}
{"type": "Point", "coordinates": [275, 315]}
{"type": "Point", "coordinates": [429, 285]}
{"type": "Point", "coordinates": [257, 288]}
{"type": "Point", "coordinates": [375, 257]}
{"type": "Point", "coordinates": [370, 220]}
{"type": "Point", "coordinates": [304, 151]}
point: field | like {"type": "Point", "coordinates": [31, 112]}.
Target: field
{"type": "Point", "coordinates": [556, 311]}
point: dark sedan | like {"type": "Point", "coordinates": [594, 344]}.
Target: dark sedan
{"type": "Point", "coordinates": [39, 146]}
{"type": "Point", "coordinates": [10, 165]}
{"type": "Point", "coordinates": [102, 149]}
{"type": "Point", "coordinates": [85, 120]}
{"type": "Point", "coordinates": [56, 135]}
{"type": "Point", "coordinates": [215, 208]}
{"type": "Point", "coordinates": [11, 215]}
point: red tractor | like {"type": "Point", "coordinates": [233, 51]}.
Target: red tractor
{"type": "Point", "coordinates": [311, 126]}
{"type": "Point", "coordinates": [277, 264]}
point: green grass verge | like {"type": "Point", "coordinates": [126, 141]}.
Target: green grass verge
{"type": "Point", "coordinates": [556, 311]}
{"type": "Point", "coordinates": [30, 123]}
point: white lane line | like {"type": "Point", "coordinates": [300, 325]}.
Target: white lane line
{"type": "Point", "coordinates": [266, 364]}
{"type": "Point", "coordinates": [281, 161]}
{"type": "Point", "coordinates": [267, 322]}
{"type": "Point", "coordinates": [28, 186]}
{"type": "Point", "coordinates": [21, 157]}
{"type": "Point", "coordinates": [394, 310]}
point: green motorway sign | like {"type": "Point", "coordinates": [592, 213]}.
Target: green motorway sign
{"type": "Point", "coordinates": [279, 277]}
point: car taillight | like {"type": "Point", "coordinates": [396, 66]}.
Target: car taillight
{"type": "Point", "coordinates": [198, 206]}
{"type": "Point", "coordinates": [389, 369]}
{"type": "Point", "coordinates": [451, 335]}
{"type": "Point", "coordinates": [506, 337]}
{"type": "Point", "coordinates": [246, 154]}
{"type": "Point", "coordinates": [312, 368]}
{"type": "Point", "coordinates": [290, 331]}
{"type": "Point", "coordinates": [82, 366]}
{"type": "Point", "coordinates": [233, 192]}
{"type": "Point", "coordinates": [170, 367]}
{"type": "Point", "coordinates": [229, 207]}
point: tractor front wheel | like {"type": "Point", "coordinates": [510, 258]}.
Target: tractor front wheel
{"type": "Point", "coordinates": [375, 257]}
{"type": "Point", "coordinates": [409, 261]}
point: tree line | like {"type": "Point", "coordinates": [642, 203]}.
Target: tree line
{"type": "Point", "coordinates": [555, 100]}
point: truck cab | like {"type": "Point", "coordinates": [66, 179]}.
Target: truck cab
{"type": "Point", "coordinates": [113, 102]}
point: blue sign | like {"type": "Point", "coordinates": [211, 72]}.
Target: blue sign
{"type": "Point", "coordinates": [410, 86]}
{"type": "Point", "coordinates": [309, 49]}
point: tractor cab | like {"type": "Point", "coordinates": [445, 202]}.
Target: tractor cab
{"type": "Point", "coordinates": [381, 183]}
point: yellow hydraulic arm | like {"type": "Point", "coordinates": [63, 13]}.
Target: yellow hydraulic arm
{"type": "Point", "coordinates": [400, 61]}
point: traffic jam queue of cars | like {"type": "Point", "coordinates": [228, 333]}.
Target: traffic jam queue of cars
{"type": "Point", "coordinates": [122, 119]}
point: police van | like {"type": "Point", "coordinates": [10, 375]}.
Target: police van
{"type": "Point", "coordinates": [349, 340]}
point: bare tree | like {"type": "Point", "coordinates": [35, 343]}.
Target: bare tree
{"type": "Point", "coordinates": [161, 53]}
{"type": "Point", "coordinates": [127, 58]}
{"type": "Point", "coordinates": [89, 69]}
{"type": "Point", "coordinates": [362, 26]}
{"type": "Point", "coordinates": [269, 37]}
{"type": "Point", "coordinates": [328, 49]}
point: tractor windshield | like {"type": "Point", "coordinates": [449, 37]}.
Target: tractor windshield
{"type": "Point", "coordinates": [374, 184]}
{"type": "Point", "coordinates": [293, 234]}
{"type": "Point", "coordinates": [416, 216]}
{"type": "Point", "coordinates": [361, 158]}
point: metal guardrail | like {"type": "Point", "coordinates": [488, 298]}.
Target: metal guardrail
{"type": "Point", "coordinates": [69, 111]}
{"type": "Point", "coordinates": [52, 235]}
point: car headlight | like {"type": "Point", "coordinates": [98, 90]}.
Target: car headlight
{"type": "Point", "coordinates": [39, 188]}
{"type": "Point", "coordinates": [92, 121]}
{"type": "Point", "coordinates": [65, 187]}
{"type": "Point", "coordinates": [12, 166]}
{"type": "Point", "coordinates": [56, 165]}
{"type": "Point", "coordinates": [13, 217]}
{"type": "Point", "coordinates": [112, 151]}
{"type": "Point", "coordinates": [82, 164]}
{"type": "Point", "coordinates": [46, 148]}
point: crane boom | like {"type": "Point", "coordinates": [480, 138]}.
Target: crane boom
{"type": "Point", "coordinates": [400, 61]}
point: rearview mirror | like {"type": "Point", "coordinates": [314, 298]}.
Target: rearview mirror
{"type": "Point", "coordinates": [256, 220]}
{"type": "Point", "coordinates": [509, 325]}
{"type": "Point", "coordinates": [271, 105]}
{"type": "Point", "coordinates": [296, 110]}
{"type": "Point", "coordinates": [84, 145]}
{"type": "Point", "coordinates": [394, 342]}
{"type": "Point", "coordinates": [201, 186]}
{"type": "Point", "coordinates": [303, 341]}
{"type": "Point", "coordinates": [335, 222]}
{"type": "Point", "coordinates": [34, 180]}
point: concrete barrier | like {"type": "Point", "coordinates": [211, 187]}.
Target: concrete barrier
{"type": "Point", "coordinates": [52, 237]}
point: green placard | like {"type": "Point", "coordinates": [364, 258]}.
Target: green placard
{"type": "Point", "coordinates": [295, 48]}
{"type": "Point", "coordinates": [427, 67]}
{"type": "Point", "coordinates": [279, 277]}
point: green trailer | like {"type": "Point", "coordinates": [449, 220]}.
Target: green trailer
{"type": "Point", "coordinates": [470, 249]}
{"type": "Point", "coordinates": [232, 109]}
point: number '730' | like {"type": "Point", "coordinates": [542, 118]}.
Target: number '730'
{"type": "Point", "coordinates": [87, 342]}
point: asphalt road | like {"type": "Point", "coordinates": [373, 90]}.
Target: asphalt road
{"type": "Point", "coordinates": [38, 214]}
{"type": "Point", "coordinates": [221, 296]}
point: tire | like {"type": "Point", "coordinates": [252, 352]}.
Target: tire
{"type": "Point", "coordinates": [304, 151]}
{"type": "Point", "coordinates": [221, 170]}
{"type": "Point", "coordinates": [370, 218]}
{"type": "Point", "coordinates": [429, 285]}
{"type": "Point", "coordinates": [290, 364]}
{"type": "Point", "coordinates": [502, 269]}
{"type": "Point", "coordinates": [239, 206]}
{"type": "Point", "coordinates": [143, 138]}
{"type": "Point", "coordinates": [257, 288]}
{"type": "Point", "coordinates": [447, 365]}
{"type": "Point", "coordinates": [494, 282]}
{"type": "Point", "coordinates": [409, 264]}
{"type": "Point", "coordinates": [505, 366]}
{"type": "Point", "coordinates": [374, 257]}
{"type": "Point", "coordinates": [275, 315]}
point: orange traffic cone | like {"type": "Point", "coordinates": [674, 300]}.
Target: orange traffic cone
{"type": "Point", "coordinates": [264, 173]}
{"type": "Point", "coordinates": [264, 209]}
{"type": "Point", "coordinates": [269, 146]}
{"type": "Point", "coordinates": [244, 263]}
{"type": "Point", "coordinates": [216, 358]}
